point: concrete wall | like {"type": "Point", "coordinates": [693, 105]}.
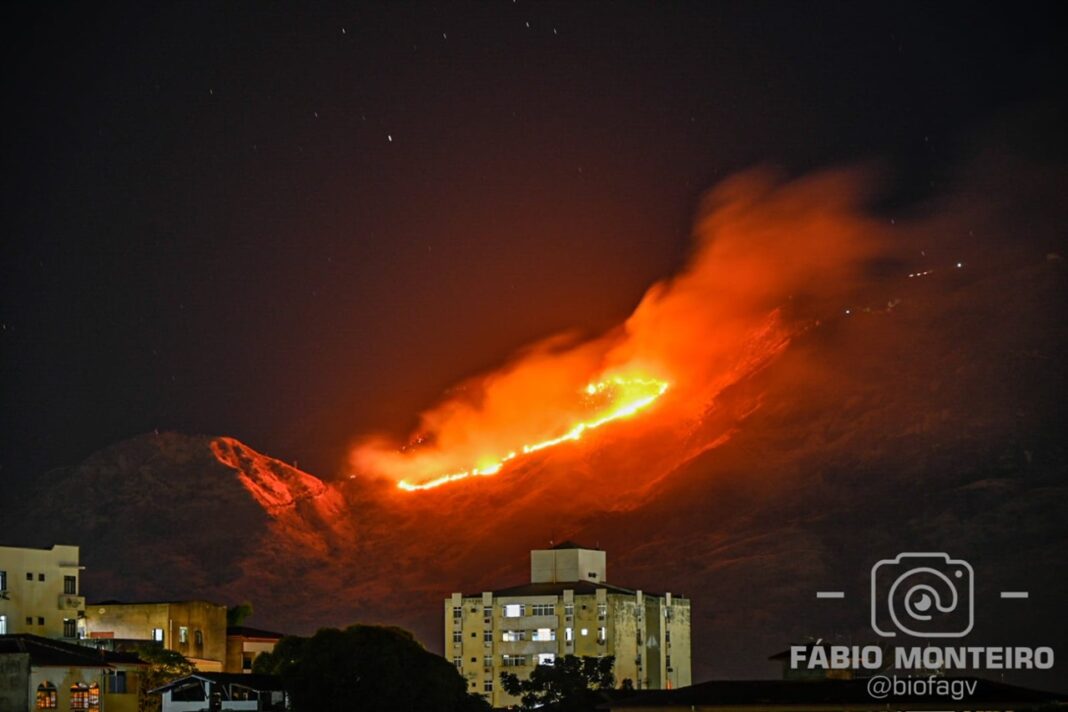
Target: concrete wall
{"type": "Point", "coordinates": [139, 620]}
{"type": "Point", "coordinates": [559, 565]}
{"type": "Point", "coordinates": [27, 596]}
{"type": "Point", "coordinates": [14, 682]}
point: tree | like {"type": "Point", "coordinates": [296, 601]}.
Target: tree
{"type": "Point", "coordinates": [163, 666]}
{"type": "Point", "coordinates": [236, 615]}
{"type": "Point", "coordinates": [570, 683]}
{"type": "Point", "coordinates": [372, 668]}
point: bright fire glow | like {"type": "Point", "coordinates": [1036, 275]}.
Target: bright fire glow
{"type": "Point", "coordinates": [615, 398]}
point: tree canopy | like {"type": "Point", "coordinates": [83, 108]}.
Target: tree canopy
{"type": "Point", "coordinates": [570, 684]}
{"type": "Point", "coordinates": [163, 666]}
{"type": "Point", "coordinates": [368, 668]}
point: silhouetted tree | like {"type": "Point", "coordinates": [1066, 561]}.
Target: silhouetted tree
{"type": "Point", "coordinates": [163, 666]}
{"type": "Point", "coordinates": [365, 667]}
{"type": "Point", "coordinates": [236, 615]}
{"type": "Point", "coordinates": [570, 683]}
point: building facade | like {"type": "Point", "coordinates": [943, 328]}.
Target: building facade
{"type": "Point", "coordinates": [196, 629]}
{"type": "Point", "coordinates": [568, 608]}
{"type": "Point", "coordinates": [244, 645]}
{"type": "Point", "coordinates": [40, 592]}
{"type": "Point", "coordinates": [40, 673]}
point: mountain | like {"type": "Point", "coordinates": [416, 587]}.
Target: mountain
{"type": "Point", "coordinates": [929, 421]}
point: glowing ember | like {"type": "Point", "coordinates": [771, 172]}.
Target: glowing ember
{"type": "Point", "coordinates": [614, 398]}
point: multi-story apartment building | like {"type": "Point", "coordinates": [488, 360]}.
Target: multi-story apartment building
{"type": "Point", "coordinates": [39, 592]}
{"type": "Point", "coordinates": [567, 609]}
{"type": "Point", "coordinates": [196, 629]}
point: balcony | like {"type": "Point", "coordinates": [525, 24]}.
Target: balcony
{"type": "Point", "coordinates": [71, 602]}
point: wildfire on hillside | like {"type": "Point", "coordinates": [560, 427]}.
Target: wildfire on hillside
{"type": "Point", "coordinates": [770, 258]}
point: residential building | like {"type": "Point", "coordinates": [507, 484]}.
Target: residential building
{"type": "Point", "coordinates": [196, 629]}
{"type": "Point", "coordinates": [39, 591]}
{"type": "Point", "coordinates": [40, 673]}
{"type": "Point", "coordinates": [223, 691]}
{"type": "Point", "coordinates": [568, 608]}
{"type": "Point", "coordinates": [244, 645]}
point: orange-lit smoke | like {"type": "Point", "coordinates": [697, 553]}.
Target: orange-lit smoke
{"type": "Point", "coordinates": [770, 257]}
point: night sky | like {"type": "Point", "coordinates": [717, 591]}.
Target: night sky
{"type": "Point", "coordinates": [293, 226]}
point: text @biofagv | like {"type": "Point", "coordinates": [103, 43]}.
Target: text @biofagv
{"type": "Point", "coordinates": [873, 657]}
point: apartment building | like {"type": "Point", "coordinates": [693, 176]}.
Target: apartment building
{"type": "Point", "coordinates": [39, 592]}
{"type": "Point", "coordinates": [568, 608]}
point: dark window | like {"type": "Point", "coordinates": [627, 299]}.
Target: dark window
{"type": "Point", "coordinates": [29, 620]}
{"type": "Point", "coordinates": [40, 577]}
{"type": "Point", "coordinates": [40, 620]}
{"type": "Point", "coordinates": [246, 662]}
{"type": "Point", "coordinates": [70, 628]}
{"type": "Point", "coordinates": [3, 580]}
{"type": "Point", "coordinates": [116, 681]}
{"type": "Point", "coordinates": [70, 585]}
{"type": "Point", "coordinates": [198, 637]}
{"type": "Point", "coordinates": [29, 576]}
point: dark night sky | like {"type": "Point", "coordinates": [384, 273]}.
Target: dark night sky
{"type": "Point", "coordinates": [293, 225]}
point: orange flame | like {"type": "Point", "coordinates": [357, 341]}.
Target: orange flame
{"type": "Point", "coordinates": [630, 396]}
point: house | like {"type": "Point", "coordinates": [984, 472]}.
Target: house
{"type": "Point", "coordinates": [39, 673]}
{"type": "Point", "coordinates": [223, 691]}
{"type": "Point", "coordinates": [39, 591]}
{"type": "Point", "coordinates": [196, 629]}
{"type": "Point", "coordinates": [568, 608]}
{"type": "Point", "coordinates": [244, 645]}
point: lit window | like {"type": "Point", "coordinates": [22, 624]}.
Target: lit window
{"type": "Point", "coordinates": [546, 659]}
{"type": "Point", "coordinates": [511, 636]}
{"type": "Point", "coordinates": [602, 634]}
{"type": "Point", "coordinates": [157, 635]}
{"type": "Point", "coordinates": [79, 696]}
{"type": "Point", "coordinates": [584, 632]}
{"type": "Point", "coordinates": [183, 634]}
{"type": "Point", "coordinates": [94, 698]}
{"type": "Point", "coordinates": [487, 686]}
{"type": "Point", "coordinates": [544, 634]}
{"type": "Point", "coordinates": [569, 634]}
{"type": "Point", "coordinates": [3, 625]}
{"type": "Point", "coordinates": [602, 610]}
{"type": "Point", "coordinates": [514, 610]}
{"type": "Point", "coordinates": [46, 696]}
{"type": "Point", "coordinates": [569, 609]}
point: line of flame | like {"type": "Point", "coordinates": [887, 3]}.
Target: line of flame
{"type": "Point", "coordinates": [575, 433]}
